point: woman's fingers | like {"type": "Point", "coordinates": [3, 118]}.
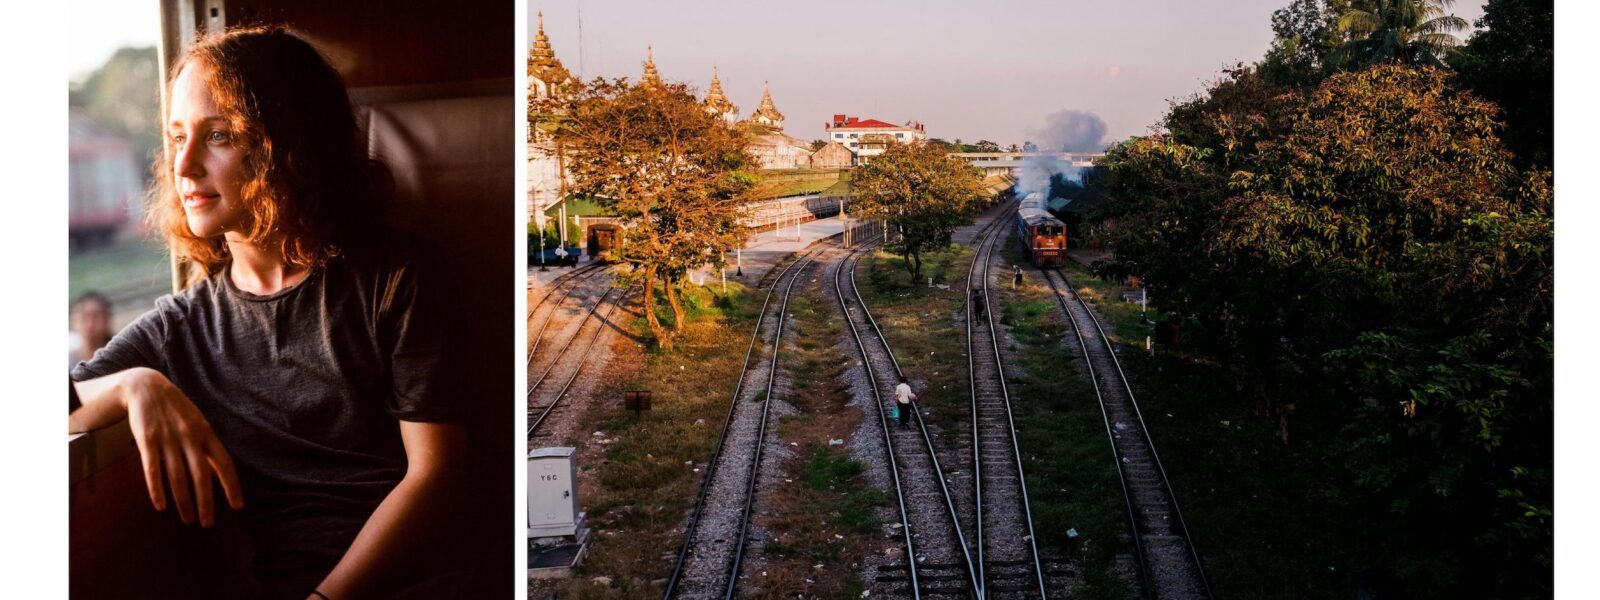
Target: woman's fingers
{"type": "Point", "coordinates": [200, 471]}
{"type": "Point", "coordinates": [223, 465]}
{"type": "Point", "coordinates": [181, 452]}
{"type": "Point", "coordinates": [151, 459]}
{"type": "Point", "coordinates": [178, 483]}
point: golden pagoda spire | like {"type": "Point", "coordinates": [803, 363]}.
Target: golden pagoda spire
{"type": "Point", "coordinates": [650, 77]}
{"type": "Point", "coordinates": [767, 113]}
{"type": "Point", "coordinates": [541, 43]}
{"type": "Point", "coordinates": [542, 62]}
{"type": "Point", "coordinates": [717, 102]}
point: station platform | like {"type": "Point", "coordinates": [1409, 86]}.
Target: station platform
{"type": "Point", "coordinates": [760, 253]}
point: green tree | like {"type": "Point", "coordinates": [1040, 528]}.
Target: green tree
{"type": "Point", "coordinates": [1511, 62]}
{"type": "Point", "coordinates": [125, 95]}
{"type": "Point", "coordinates": [922, 192]}
{"type": "Point", "coordinates": [1305, 34]}
{"type": "Point", "coordinates": [1368, 249]}
{"type": "Point", "coordinates": [1416, 32]}
{"type": "Point", "coordinates": [674, 174]}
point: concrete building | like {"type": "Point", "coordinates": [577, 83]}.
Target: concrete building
{"type": "Point", "coordinates": [833, 156]}
{"type": "Point", "coordinates": [777, 150]}
{"type": "Point", "coordinates": [867, 138]}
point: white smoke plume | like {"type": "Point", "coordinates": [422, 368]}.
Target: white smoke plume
{"type": "Point", "coordinates": [1063, 131]}
{"type": "Point", "coordinates": [1071, 131]}
{"type": "Point", "coordinates": [1034, 175]}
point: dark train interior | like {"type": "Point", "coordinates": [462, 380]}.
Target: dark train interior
{"type": "Point", "coordinates": [443, 121]}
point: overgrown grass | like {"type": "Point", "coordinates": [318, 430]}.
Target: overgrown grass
{"type": "Point", "coordinates": [642, 485]}
{"type": "Point", "coordinates": [1270, 521]}
{"type": "Point", "coordinates": [1123, 320]}
{"type": "Point", "coordinates": [920, 323]}
{"type": "Point", "coordinates": [796, 182]}
{"type": "Point", "coordinates": [132, 271]}
{"type": "Point", "coordinates": [820, 520]}
{"type": "Point", "coordinates": [1072, 478]}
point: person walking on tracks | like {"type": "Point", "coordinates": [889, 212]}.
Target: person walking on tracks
{"type": "Point", "coordinates": [903, 397]}
{"type": "Point", "coordinates": [979, 307]}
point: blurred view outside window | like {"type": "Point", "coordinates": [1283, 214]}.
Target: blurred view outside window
{"type": "Point", "coordinates": [113, 138]}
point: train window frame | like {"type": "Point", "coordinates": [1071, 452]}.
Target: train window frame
{"type": "Point", "coordinates": [181, 21]}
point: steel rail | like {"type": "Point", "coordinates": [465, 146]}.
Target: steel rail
{"type": "Point", "coordinates": [534, 426]}
{"type": "Point", "coordinates": [883, 420]}
{"type": "Point", "coordinates": [716, 452]}
{"type": "Point", "coordinates": [761, 434]}
{"type": "Point", "coordinates": [565, 282]}
{"type": "Point", "coordinates": [933, 455]}
{"type": "Point", "coordinates": [1166, 485]}
{"type": "Point", "coordinates": [980, 270]}
{"type": "Point", "coordinates": [575, 335]}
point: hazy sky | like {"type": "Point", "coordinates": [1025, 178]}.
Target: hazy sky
{"type": "Point", "coordinates": [100, 27]}
{"type": "Point", "coordinates": [967, 70]}
{"type": "Point", "coordinates": [992, 70]}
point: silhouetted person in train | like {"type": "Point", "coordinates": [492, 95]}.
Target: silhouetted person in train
{"type": "Point", "coordinates": [307, 365]}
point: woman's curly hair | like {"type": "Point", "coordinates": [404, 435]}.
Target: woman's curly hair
{"type": "Point", "coordinates": [308, 178]}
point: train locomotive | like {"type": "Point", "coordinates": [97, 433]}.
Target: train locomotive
{"type": "Point", "coordinates": [1042, 236]}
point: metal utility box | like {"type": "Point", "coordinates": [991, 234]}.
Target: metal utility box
{"type": "Point", "coordinates": [553, 493]}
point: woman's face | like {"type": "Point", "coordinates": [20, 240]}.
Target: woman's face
{"type": "Point", "coordinates": [207, 166]}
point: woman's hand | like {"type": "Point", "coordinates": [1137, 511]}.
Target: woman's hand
{"type": "Point", "coordinates": [176, 445]}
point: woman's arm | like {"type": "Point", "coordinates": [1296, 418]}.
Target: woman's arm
{"type": "Point", "coordinates": [102, 399]}
{"type": "Point", "coordinates": [175, 442]}
{"type": "Point", "coordinates": [408, 518]}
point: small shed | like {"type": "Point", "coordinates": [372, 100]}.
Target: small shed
{"type": "Point", "coordinates": [833, 156]}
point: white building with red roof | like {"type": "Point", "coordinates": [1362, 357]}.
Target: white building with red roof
{"type": "Point", "coordinates": [870, 137]}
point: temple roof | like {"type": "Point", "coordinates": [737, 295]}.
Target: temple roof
{"type": "Point", "coordinates": [767, 109]}
{"type": "Point", "coordinates": [650, 77]}
{"type": "Point", "coordinates": [716, 101]}
{"type": "Point", "coordinates": [542, 61]}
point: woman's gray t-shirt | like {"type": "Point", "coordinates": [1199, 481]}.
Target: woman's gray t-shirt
{"type": "Point", "coordinates": [306, 388]}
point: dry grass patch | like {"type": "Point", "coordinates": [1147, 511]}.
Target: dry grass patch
{"type": "Point", "coordinates": [637, 484]}
{"type": "Point", "coordinates": [819, 520]}
{"type": "Point", "coordinates": [923, 325]}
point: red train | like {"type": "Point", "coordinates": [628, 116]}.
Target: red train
{"type": "Point", "coordinates": [1042, 236]}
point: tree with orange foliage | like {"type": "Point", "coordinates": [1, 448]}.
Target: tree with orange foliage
{"type": "Point", "coordinates": [676, 176]}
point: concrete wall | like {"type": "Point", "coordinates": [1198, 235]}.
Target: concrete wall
{"type": "Point", "coordinates": [832, 156]}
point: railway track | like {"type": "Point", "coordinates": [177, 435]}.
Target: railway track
{"type": "Point", "coordinates": [708, 563]}
{"type": "Point", "coordinates": [561, 290]}
{"type": "Point", "coordinates": [543, 400]}
{"type": "Point", "coordinates": [1008, 559]}
{"type": "Point", "coordinates": [1169, 565]}
{"type": "Point", "coordinates": [937, 561]}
